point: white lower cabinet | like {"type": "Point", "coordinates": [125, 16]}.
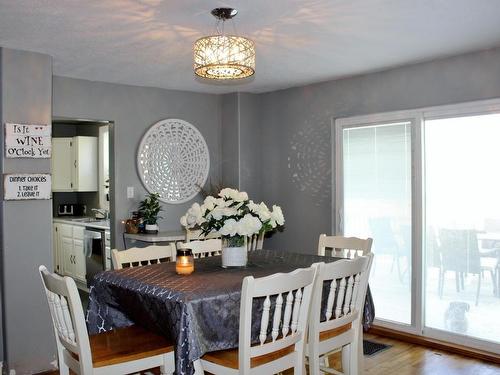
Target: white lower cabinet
{"type": "Point", "coordinates": [58, 262]}
{"type": "Point", "coordinates": [69, 257]}
{"type": "Point", "coordinates": [107, 250]}
{"type": "Point", "coordinates": [79, 255]}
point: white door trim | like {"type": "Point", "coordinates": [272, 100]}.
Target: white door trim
{"type": "Point", "coordinates": [417, 118]}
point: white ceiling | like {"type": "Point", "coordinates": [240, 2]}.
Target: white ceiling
{"type": "Point", "coordinates": [149, 42]}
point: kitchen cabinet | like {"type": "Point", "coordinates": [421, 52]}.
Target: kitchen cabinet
{"type": "Point", "coordinates": [107, 250]}
{"type": "Point", "coordinates": [74, 164]}
{"type": "Point", "coordinates": [56, 246]}
{"type": "Point", "coordinates": [69, 251]}
{"type": "Point", "coordinates": [78, 254]}
{"type": "Point", "coordinates": [61, 164]}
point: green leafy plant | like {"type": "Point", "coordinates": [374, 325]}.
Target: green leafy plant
{"type": "Point", "coordinates": [211, 189]}
{"type": "Point", "coordinates": [149, 208]}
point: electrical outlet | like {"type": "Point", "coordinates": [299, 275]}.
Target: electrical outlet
{"type": "Point", "coordinates": [130, 192]}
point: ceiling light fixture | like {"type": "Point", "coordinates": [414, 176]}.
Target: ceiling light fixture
{"type": "Point", "coordinates": [221, 56]}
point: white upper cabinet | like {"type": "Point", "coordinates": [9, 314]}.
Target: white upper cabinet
{"type": "Point", "coordinates": [85, 163]}
{"type": "Point", "coordinates": [62, 167]}
{"type": "Point", "coordinates": [75, 164]}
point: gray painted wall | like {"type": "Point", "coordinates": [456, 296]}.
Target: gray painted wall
{"type": "Point", "coordinates": [296, 130]}
{"type": "Point", "coordinates": [26, 92]}
{"type": "Point", "coordinates": [251, 161]}
{"type": "Point", "coordinates": [230, 134]}
{"type": "Point", "coordinates": [241, 142]}
{"type": "Point", "coordinates": [133, 110]}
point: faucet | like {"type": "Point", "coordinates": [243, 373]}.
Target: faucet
{"type": "Point", "coordinates": [102, 212]}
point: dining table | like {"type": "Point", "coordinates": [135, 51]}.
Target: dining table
{"type": "Point", "coordinates": [199, 312]}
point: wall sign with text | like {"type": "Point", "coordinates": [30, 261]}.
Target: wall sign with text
{"type": "Point", "coordinates": [28, 141]}
{"type": "Point", "coordinates": [23, 186]}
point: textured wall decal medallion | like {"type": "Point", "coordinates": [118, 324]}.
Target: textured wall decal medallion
{"type": "Point", "coordinates": [173, 160]}
{"type": "Point", "coordinates": [309, 159]}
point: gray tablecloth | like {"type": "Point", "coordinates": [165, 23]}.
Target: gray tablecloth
{"type": "Point", "coordinates": [199, 312]}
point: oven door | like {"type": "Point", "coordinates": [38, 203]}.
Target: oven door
{"type": "Point", "coordinates": [94, 252]}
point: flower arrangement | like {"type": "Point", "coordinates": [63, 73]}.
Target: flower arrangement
{"type": "Point", "coordinates": [234, 216]}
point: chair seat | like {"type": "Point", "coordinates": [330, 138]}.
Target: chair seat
{"type": "Point", "coordinates": [325, 335]}
{"type": "Point", "coordinates": [126, 344]}
{"type": "Point", "coordinates": [229, 358]}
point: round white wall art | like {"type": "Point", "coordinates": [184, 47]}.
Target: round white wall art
{"type": "Point", "coordinates": [173, 160]}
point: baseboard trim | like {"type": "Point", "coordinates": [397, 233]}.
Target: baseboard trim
{"type": "Point", "coordinates": [435, 344]}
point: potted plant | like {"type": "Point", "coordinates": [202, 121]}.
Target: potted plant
{"type": "Point", "coordinates": [149, 209]}
{"type": "Point", "coordinates": [236, 218]}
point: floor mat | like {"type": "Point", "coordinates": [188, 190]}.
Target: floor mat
{"type": "Point", "coordinates": [371, 347]}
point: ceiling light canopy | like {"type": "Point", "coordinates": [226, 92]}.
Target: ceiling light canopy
{"type": "Point", "coordinates": [221, 56]}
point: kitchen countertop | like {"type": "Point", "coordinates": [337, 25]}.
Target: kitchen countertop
{"type": "Point", "coordinates": [165, 236]}
{"type": "Point", "coordinates": [77, 220]}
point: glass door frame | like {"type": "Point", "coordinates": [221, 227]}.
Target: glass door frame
{"type": "Point", "coordinates": [450, 111]}
{"type": "Point", "coordinates": [413, 117]}
{"type": "Point", "coordinates": [417, 118]}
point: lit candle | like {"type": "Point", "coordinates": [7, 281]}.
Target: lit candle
{"type": "Point", "coordinates": [185, 262]}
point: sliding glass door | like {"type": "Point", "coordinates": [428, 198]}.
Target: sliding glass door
{"type": "Point", "coordinates": [377, 204]}
{"type": "Point", "coordinates": [462, 216]}
{"type": "Point", "coordinates": [425, 185]}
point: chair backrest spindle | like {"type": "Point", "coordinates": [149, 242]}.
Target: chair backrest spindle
{"type": "Point", "coordinates": [203, 249]}
{"type": "Point", "coordinates": [255, 242]}
{"type": "Point", "coordinates": [344, 247]}
{"type": "Point", "coordinates": [137, 256]}
{"type": "Point", "coordinates": [68, 319]}
{"type": "Point", "coordinates": [347, 282]}
{"type": "Point", "coordinates": [297, 287]}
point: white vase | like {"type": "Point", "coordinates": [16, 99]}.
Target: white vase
{"type": "Point", "coordinates": [151, 228]}
{"type": "Point", "coordinates": [234, 256]}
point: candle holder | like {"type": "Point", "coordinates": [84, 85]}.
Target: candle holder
{"type": "Point", "coordinates": [184, 264]}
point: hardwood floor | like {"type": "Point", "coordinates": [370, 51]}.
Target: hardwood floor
{"type": "Point", "coordinates": [409, 359]}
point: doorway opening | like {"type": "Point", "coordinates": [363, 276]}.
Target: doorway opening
{"type": "Point", "coordinates": [82, 198]}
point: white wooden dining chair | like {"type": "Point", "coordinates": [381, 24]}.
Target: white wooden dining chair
{"type": "Point", "coordinates": [344, 247]}
{"type": "Point", "coordinates": [141, 256]}
{"type": "Point", "coordinates": [120, 351]}
{"type": "Point", "coordinates": [282, 333]}
{"type": "Point", "coordinates": [340, 327]}
{"type": "Point", "coordinates": [203, 249]}
{"type": "Point", "coordinates": [255, 242]}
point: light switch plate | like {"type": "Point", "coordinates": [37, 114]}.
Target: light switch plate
{"type": "Point", "coordinates": [130, 192]}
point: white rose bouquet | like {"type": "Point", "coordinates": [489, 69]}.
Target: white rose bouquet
{"type": "Point", "coordinates": [234, 216]}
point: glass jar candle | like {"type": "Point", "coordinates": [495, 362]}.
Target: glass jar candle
{"type": "Point", "coordinates": [184, 264]}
